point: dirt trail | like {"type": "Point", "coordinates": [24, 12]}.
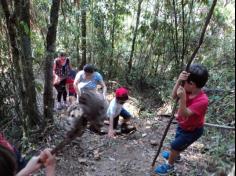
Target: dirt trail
{"type": "Point", "coordinates": [127, 155]}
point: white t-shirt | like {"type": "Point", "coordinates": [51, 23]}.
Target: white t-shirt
{"type": "Point", "coordinates": [114, 109]}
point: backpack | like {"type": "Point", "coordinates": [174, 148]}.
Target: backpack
{"type": "Point", "coordinates": [62, 70]}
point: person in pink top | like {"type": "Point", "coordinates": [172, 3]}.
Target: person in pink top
{"type": "Point", "coordinates": [61, 70]}
{"type": "Point", "coordinates": [193, 104]}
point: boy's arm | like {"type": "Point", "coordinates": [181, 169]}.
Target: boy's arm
{"type": "Point", "coordinates": [111, 116]}
{"type": "Point", "coordinates": [111, 132]}
{"type": "Point", "coordinates": [54, 68]}
{"type": "Point", "coordinates": [104, 89]}
{"type": "Point", "coordinates": [182, 77]}
{"type": "Point", "coordinates": [183, 110]}
{"type": "Point", "coordinates": [100, 81]}
{"type": "Point", "coordinates": [76, 82]}
{"type": "Point", "coordinates": [174, 91]}
{"type": "Point", "coordinates": [67, 87]}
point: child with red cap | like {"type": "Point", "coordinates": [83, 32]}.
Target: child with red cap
{"type": "Point", "coordinates": [116, 109]}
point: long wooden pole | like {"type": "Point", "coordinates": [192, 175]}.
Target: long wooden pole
{"type": "Point", "coordinates": [187, 68]}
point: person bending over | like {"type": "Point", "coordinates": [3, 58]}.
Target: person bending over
{"type": "Point", "coordinates": [88, 79]}
{"type": "Point", "coordinates": [115, 110]}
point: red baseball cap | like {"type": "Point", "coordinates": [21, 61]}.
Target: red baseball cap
{"type": "Point", "coordinates": [122, 93]}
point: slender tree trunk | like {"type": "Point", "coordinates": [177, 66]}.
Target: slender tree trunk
{"type": "Point", "coordinates": [183, 33]}
{"type": "Point", "coordinates": [50, 53]}
{"type": "Point", "coordinates": [78, 42]}
{"type": "Point", "coordinates": [134, 37]}
{"type": "Point", "coordinates": [84, 30]}
{"type": "Point", "coordinates": [78, 51]}
{"type": "Point", "coordinates": [176, 40]}
{"type": "Point", "coordinates": [112, 40]}
{"type": "Point", "coordinates": [187, 28]}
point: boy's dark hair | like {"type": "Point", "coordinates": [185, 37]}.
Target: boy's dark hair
{"type": "Point", "coordinates": [89, 68]}
{"type": "Point", "coordinates": [72, 74]}
{"type": "Point", "coordinates": [8, 164]}
{"type": "Point", "coordinates": [198, 74]}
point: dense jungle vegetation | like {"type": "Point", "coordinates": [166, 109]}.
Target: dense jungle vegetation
{"type": "Point", "coordinates": [141, 44]}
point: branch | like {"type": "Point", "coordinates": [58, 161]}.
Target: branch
{"type": "Point", "coordinates": [219, 126]}
{"type": "Point", "coordinates": [206, 124]}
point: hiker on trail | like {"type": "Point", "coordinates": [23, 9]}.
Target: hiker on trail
{"type": "Point", "coordinates": [70, 86]}
{"type": "Point", "coordinates": [115, 110]}
{"type": "Point", "coordinates": [88, 79]}
{"type": "Point", "coordinates": [61, 69]}
{"type": "Point", "coordinates": [193, 103]}
{"type": "Point", "coordinates": [9, 167]}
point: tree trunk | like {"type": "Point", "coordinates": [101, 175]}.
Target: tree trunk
{"type": "Point", "coordinates": [84, 30]}
{"type": "Point", "coordinates": [112, 40]}
{"type": "Point", "coordinates": [23, 14]}
{"type": "Point", "coordinates": [134, 37]}
{"type": "Point", "coordinates": [16, 57]}
{"type": "Point", "coordinates": [78, 43]}
{"type": "Point", "coordinates": [183, 34]}
{"type": "Point", "coordinates": [50, 53]}
{"type": "Point", "coordinates": [175, 40]}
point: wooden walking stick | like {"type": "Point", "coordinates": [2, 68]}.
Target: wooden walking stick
{"type": "Point", "coordinates": [187, 68]}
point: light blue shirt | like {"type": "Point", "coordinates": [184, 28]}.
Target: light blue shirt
{"type": "Point", "coordinates": [89, 84]}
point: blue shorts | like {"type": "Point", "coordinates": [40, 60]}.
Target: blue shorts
{"type": "Point", "coordinates": [183, 138]}
{"type": "Point", "coordinates": [72, 94]}
{"type": "Point", "coordinates": [125, 114]}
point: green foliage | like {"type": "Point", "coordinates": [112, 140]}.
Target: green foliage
{"type": "Point", "coordinates": [220, 146]}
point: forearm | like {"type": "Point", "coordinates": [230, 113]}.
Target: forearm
{"type": "Point", "coordinates": [174, 91]}
{"type": "Point", "coordinates": [111, 128]}
{"type": "Point", "coordinates": [23, 172]}
{"type": "Point", "coordinates": [183, 110]}
{"type": "Point", "coordinates": [75, 84]}
{"type": "Point", "coordinates": [104, 88]}
{"type": "Point", "coordinates": [104, 91]}
{"type": "Point", "coordinates": [51, 171]}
